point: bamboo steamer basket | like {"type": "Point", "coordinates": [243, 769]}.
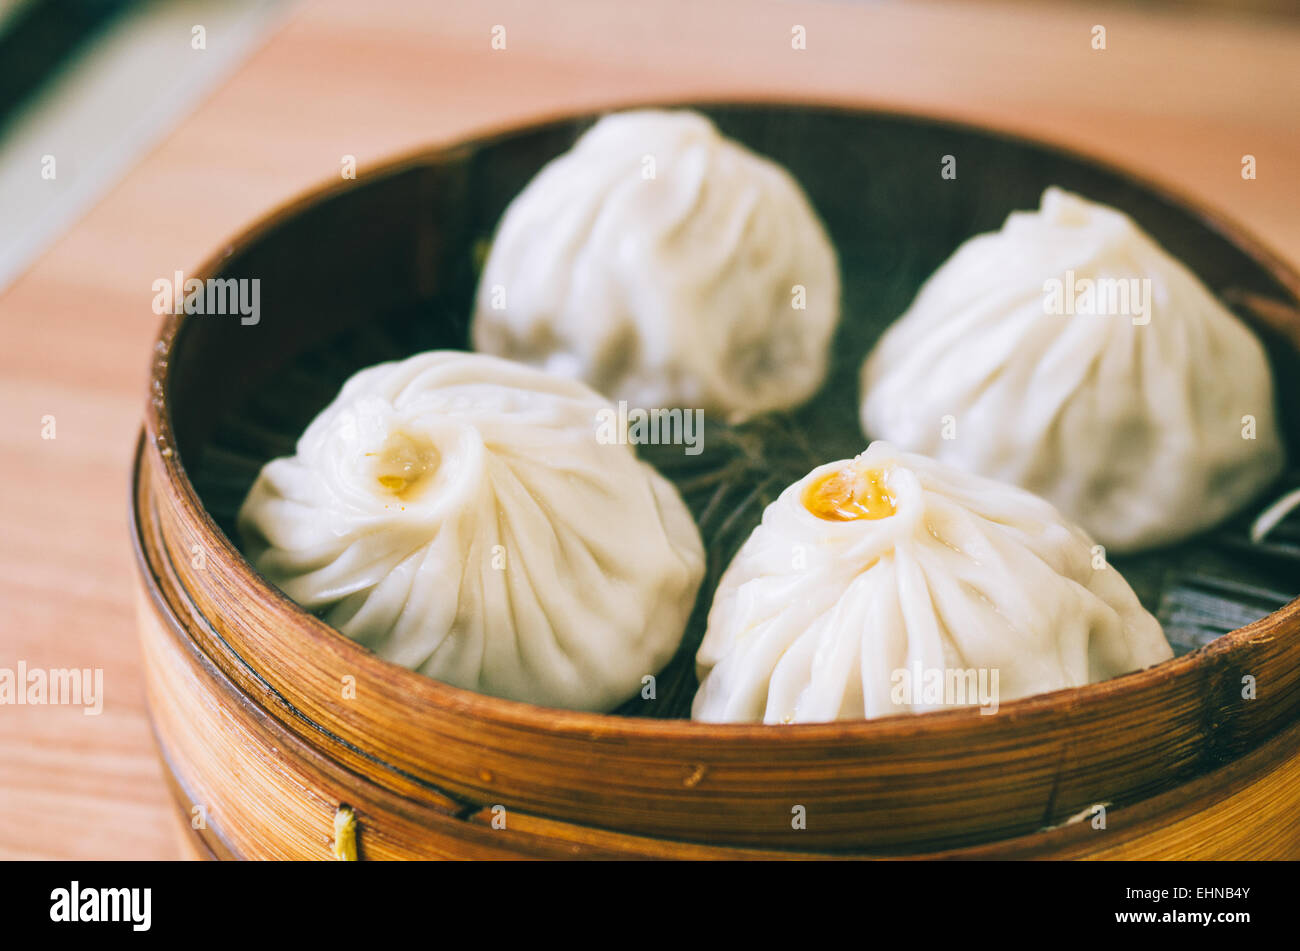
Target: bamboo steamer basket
{"type": "Point", "coordinates": [284, 739]}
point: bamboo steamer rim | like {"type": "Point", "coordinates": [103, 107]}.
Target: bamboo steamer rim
{"type": "Point", "coordinates": [425, 691]}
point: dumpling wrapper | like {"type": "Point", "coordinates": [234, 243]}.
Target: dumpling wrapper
{"type": "Point", "coordinates": [667, 266]}
{"type": "Point", "coordinates": [815, 617]}
{"type": "Point", "coordinates": [1133, 424]}
{"type": "Point", "coordinates": [457, 514]}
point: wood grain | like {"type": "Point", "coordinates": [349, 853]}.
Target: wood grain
{"type": "Point", "coordinates": [1181, 97]}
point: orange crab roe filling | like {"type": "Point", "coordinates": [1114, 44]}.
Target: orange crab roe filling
{"type": "Point", "coordinates": [404, 465]}
{"type": "Point", "coordinates": [850, 494]}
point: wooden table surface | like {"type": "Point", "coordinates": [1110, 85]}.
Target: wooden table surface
{"type": "Point", "coordinates": [1180, 97]}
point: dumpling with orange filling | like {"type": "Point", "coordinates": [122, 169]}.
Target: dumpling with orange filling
{"type": "Point", "coordinates": [891, 583]}
{"type": "Point", "coordinates": [460, 515]}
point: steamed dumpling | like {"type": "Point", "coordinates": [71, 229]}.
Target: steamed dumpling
{"type": "Point", "coordinates": [1023, 359]}
{"type": "Point", "coordinates": [666, 266]}
{"type": "Point", "coordinates": [870, 570]}
{"type": "Point", "coordinates": [457, 514]}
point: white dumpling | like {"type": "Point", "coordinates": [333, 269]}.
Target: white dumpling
{"type": "Point", "coordinates": [457, 514]}
{"type": "Point", "coordinates": [1130, 416]}
{"type": "Point", "coordinates": [667, 266]}
{"type": "Point", "coordinates": [892, 563]}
